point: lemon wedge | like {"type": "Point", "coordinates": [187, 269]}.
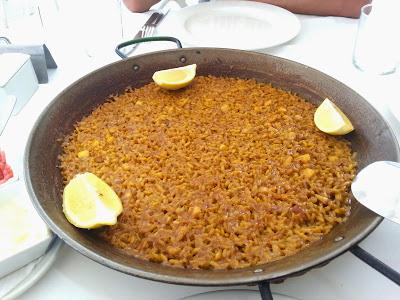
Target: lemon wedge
{"type": "Point", "coordinates": [89, 202]}
{"type": "Point", "coordinates": [176, 78]}
{"type": "Point", "coordinates": [330, 119]}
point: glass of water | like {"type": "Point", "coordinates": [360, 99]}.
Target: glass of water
{"type": "Point", "coordinates": [377, 45]}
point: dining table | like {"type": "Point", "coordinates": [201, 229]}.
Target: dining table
{"type": "Point", "coordinates": [324, 43]}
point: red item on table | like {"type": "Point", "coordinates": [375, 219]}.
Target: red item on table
{"type": "Point", "coordinates": [5, 170]}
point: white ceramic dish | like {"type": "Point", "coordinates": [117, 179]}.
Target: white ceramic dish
{"type": "Point", "coordinates": [232, 24]}
{"type": "Point", "coordinates": [23, 235]}
{"type": "Point", "coordinates": [15, 284]}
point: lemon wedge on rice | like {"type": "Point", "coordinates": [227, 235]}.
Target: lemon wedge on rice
{"type": "Point", "coordinates": [176, 78]}
{"type": "Point", "coordinates": [89, 202]}
{"type": "Point", "coordinates": [330, 119]}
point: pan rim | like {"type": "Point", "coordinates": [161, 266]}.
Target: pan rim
{"type": "Point", "coordinates": [187, 280]}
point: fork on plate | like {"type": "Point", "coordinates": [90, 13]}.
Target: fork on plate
{"type": "Point", "coordinates": [148, 28]}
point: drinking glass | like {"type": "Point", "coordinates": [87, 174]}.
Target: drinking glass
{"type": "Point", "coordinates": [376, 48]}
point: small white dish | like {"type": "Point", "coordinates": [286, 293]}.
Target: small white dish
{"type": "Point", "coordinates": [232, 24]}
{"type": "Point", "coordinates": [24, 236]}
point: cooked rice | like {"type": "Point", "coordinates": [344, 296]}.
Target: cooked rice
{"type": "Point", "coordinates": [227, 173]}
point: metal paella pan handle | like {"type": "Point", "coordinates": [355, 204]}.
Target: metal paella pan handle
{"type": "Point", "coordinates": [144, 40]}
{"type": "Point", "coordinates": [265, 290]}
{"type": "Point", "coordinates": [375, 263]}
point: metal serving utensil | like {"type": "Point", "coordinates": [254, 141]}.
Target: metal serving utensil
{"type": "Point", "coordinates": [377, 187]}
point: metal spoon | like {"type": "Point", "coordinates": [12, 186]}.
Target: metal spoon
{"type": "Point", "coordinates": [377, 187]}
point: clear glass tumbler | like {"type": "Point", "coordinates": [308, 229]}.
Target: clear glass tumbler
{"type": "Point", "coordinates": [376, 48]}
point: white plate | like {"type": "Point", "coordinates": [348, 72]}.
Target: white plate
{"type": "Point", "coordinates": [232, 24]}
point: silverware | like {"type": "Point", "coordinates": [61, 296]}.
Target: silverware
{"type": "Point", "coordinates": [148, 24]}
{"type": "Point", "coordinates": [148, 28]}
